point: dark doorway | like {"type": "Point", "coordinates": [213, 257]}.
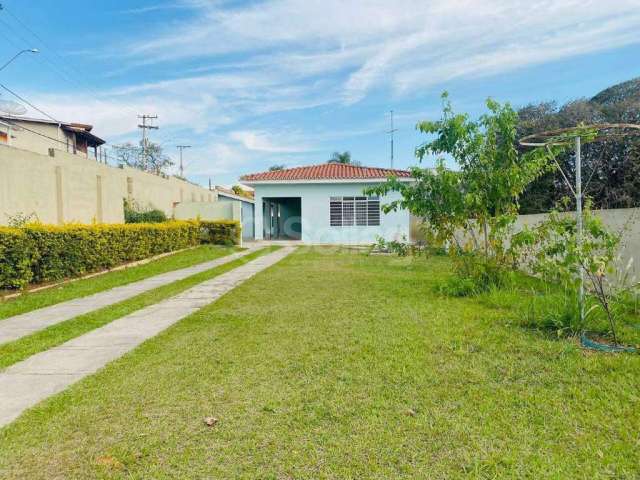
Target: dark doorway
{"type": "Point", "coordinates": [282, 218]}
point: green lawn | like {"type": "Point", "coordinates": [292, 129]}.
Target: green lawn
{"type": "Point", "coordinates": [59, 333]}
{"type": "Point", "coordinates": [82, 288]}
{"type": "Point", "coordinates": [339, 365]}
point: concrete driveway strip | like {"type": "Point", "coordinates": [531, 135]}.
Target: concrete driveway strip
{"type": "Point", "coordinates": [28, 382]}
{"type": "Point", "coordinates": [13, 328]}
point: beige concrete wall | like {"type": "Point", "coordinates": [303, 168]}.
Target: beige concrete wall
{"type": "Point", "coordinates": [209, 211]}
{"type": "Point", "coordinates": [71, 188]}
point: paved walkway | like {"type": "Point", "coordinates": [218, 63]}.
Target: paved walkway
{"type": "Point", "coordinates": [13, 328]}
{"type": "Point", "coordinates": [28, 382]}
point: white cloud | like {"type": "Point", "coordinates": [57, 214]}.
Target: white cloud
{"type": "Point", "coordinates": [403, 44]}
{"type": "Point", "coordinates": [264, 142]}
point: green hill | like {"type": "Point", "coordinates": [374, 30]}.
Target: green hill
{"type": "Point", "coordinates": [622, 92]}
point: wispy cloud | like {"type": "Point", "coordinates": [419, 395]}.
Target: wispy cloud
{"type": "Point", "coordinates": [402, 44]}
{"type": "Point", "coordinates": [264, 142]}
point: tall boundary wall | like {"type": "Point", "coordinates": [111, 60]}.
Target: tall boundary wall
{"type": "Point", "coordinates": [71, 188]}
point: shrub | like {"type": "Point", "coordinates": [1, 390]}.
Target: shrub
{"type": "Point", "coordinates": [220, 232]}
{"type": "Point", "coordinates": [474, 274]}
{"type": "Point", "coordinates": [556, 312]}
{"type": "Point", "coordinates": [17, 254]}
{"type": "Point", "coordinates": [133, 213]}
{"type": "Point", "coordinates": [457, 287]}
{"type": "Point", "coordinates": [42, 253]}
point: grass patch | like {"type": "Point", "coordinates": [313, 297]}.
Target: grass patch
{"type": "Point", "coordinates": [81, 288]}
{"type": "Point", "coordinates": [59, 333]}
{"type": "Point", "coordinates": [341, 366]}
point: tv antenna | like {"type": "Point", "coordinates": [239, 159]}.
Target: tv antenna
{"type": "Point", "coordinates": [391, 132]}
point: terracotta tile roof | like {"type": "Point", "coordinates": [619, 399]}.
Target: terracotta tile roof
{"type": "Point", "coordinates": [326, 171]}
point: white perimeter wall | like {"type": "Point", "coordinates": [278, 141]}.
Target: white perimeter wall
{"type": "Point", "coordinates": [619, 220]}
{"type": "Point", "coordinates": [72, 188]}
{"type": "Point", "coordinates": [315, 213]}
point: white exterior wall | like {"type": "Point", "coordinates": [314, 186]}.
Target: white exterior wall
{"type": "Point", "coordinates": [316, 227]}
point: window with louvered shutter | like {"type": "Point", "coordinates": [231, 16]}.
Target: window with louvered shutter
{"type": "Point", "coordinates": [335, 209]}
{"type": "Point", "coordinates": [354, 211]}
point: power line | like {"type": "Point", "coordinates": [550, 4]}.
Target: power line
{"type": "Point", "coordinates": [28, 103]}
{"type": "Point", "coordinates": [72, 75]}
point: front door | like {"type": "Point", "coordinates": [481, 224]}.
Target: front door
{"type": "Point", "coordinates": [271, 220]}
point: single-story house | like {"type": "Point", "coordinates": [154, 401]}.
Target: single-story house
{"type": "Point", "coordinates": [325, 204]}
{"type": "Point", "coordinates": [248, 215]}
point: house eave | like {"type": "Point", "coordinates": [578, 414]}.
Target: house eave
{"type": "Point", "coordinates": [322, 181]}
{"type": "Point", "coordinates": [235, 197]}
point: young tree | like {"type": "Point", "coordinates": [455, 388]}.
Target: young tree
{"type": "Point", "coordinates": [483, 190]}
{"type": "Point", "coordinates": [132, 155]}
{"type": "Point", "coordinates": [127, 154]}
{"type": "Point", "coordinates": [157, 161]}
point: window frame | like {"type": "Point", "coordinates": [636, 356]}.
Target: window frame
{"type": "Point", "coordinates": [354, 211]}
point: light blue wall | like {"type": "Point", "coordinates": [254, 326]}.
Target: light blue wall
{"type": "Point", "coordinates": [315, 213]}
{"type": "Point", "coordinates": [248, 221]}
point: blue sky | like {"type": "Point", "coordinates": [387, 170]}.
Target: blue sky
{"type": "Point", "coordinates": [252, 84]}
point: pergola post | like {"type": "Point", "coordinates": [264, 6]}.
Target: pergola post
{"type": "Point", "coordinates": [579, 225]}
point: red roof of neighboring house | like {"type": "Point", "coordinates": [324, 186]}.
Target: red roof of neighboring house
{"type": "Point", "coordinates": [326, 171]}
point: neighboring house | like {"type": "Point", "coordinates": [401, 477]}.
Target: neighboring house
{"type": "Point", "coordinates": [44, 136]}
{"type": "Point", "coordinates": [325, 204]}
{"type": "Point", "coordinates": [248, 210]}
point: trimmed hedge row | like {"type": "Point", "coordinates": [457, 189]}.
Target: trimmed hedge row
{"type": "Point", "coordinates": [221, 232]}
{"type": "Point", "coordinates": [40, 253]}
{"type": "Point", "coordinates": [16, 258]}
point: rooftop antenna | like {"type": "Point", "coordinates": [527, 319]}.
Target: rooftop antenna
{"type": "Point", "coordinates": [181, 148]}
{"type": "Point", "coordinates": [390, 132]}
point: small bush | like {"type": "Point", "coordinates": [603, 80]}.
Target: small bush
{"type": "Point", "coordinates": [133, 213]}
{"type": "Point", "coordinates": [557, 313]}
{"type": "Point", "coordinates": [475, 274]}
{"type": "Point", "coordinates": [221, 232]}
{"type": "Point", "coordinates": [17, 254]}
{"type": "Point", "coordinates": [457, 287]}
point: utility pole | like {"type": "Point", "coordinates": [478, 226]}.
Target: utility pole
{"type": "Point", "coordinates": [391, 132]}
{"type": "Point", "coordinates": [144, 128]}
{"type": "Point", "coordinates": [181, 148]}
